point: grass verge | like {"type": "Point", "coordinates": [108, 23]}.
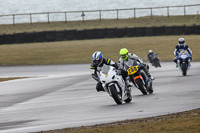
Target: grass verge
{"type": "Point", "coordinates": [185, 122]}
{"type": "Point", "coordinates": [6, 79]}
{"type": "Point", "coordinates": [80, 51]}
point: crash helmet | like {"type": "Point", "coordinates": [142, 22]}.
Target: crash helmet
{"type": "Point", "coordinates": [124, 53]}
{"type": "Point", "coordinates": [97, 58]}
{"type": "Point", "coordinates": [181, 41]}
{"type": "Point", "coordinates": [150, 51]}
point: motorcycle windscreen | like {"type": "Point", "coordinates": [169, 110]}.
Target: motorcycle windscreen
{"type": "Point", "coordinates": [130, 63]}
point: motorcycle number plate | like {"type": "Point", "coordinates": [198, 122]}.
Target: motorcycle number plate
{"type": "Point", "coordinates": [132, 70]}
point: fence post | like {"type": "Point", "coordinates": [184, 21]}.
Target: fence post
{"type": "Point", "coordinates": [100, 15]}
{"type": "Point", "coordinates": [134, 13]}
{"type": "Point", "coordinates": [184, 11]}
{"type": "Point", "coordinates": [83, 15]}
{"type": "Point", "coordinates": [65, 17]}
{"type": "Point", "coordinates": [48, 17]}
{"type": "Point", "coordinates": [168, 12]}
{"type": "Point", "coordinates": [198, 14]}
{"type": "Point", "coordinates": [13, 19]}
{"type": "Point", "coordinates": [30, 18]}
{"type": "Point", "coordinates": [117, 14]}
{"type": "Point", "coordinates": [151, 13]}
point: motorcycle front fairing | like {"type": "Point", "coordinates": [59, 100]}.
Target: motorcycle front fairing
{"type": "Point", "coordinates": [109, 77]}
{"type": "Point", "coordinates": [183, 57]}
{"type": "Point", "coordinates": [140, 71]}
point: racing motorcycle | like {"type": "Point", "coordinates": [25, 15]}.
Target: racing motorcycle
{"type": "Point", "coordinates": [155, 60]}
{"type": "Point", "coordinates": [183, 62]}
{"type": "Point", "coordinates": [139, 77]}
{"type": "Point", "coordinates": [114, 85]}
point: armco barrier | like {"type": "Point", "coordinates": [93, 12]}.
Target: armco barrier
{"type": "Point", "coordinates": [179, 30]}
{"type": "Point", "coordinates": [91, 34]}
{"type": "Point", "coordinates": [29, 37]}
{"type": "Point", "coordinates": [19, 38]}
{"type": "Point", "coordinates": [169, 30]}
{"type": "Point", "coordinates": [71, 34]}
{"type": "Point", "coordinates": [100, 33]}
{"type": "Point", "coordinates": [189, 30]}
{"type": "Point", "coordinates": [60, 35]}
{"type": "Point", "coordinates": [121, 32]}
{"type": "Point", "coordinates": [40, 37]}
{"type": "Point", "coordinates": [10, 39]}
{"type": "Point", "coordinates": [81, 35]}
{"type": "Point", "coordinates": [140, 31]}
{"type": "Point", "coordinates": [159, 31]}
{"type": "Point", "coordinates": [111, 33]}
{"type": "Point", "coordinates": [48, 36]}
{"type": "Point", "coordinates": [149, 31]}
{"type": "Point", "coordinates": [2, 39]}
{"type": "Point", "coordinates": [197, 30]}
{"type": "Point", "coordinates": [131, 32]}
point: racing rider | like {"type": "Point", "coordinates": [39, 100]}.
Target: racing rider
{"type": "Point", "coordinates": [125, 56]}
{"type": "Point", "coordinates": [98, 63]}
{"type": "Point", "coordinates": [150, 54]}
{"type": "Point", "coordinates": [181, 46]}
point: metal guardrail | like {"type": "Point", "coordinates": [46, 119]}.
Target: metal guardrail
{"type": "Point", "coordinates": [82, 14]}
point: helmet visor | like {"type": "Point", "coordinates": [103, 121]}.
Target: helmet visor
{"type": "Point", "coordinates": [96, 62]}
{"type": "Point", "coordinates": [123, 56]}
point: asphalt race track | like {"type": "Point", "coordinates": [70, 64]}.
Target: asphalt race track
{"type": "Point", "coordinates": [61, 96]}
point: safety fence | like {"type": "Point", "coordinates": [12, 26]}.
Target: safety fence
{"type": "Point", "coordinates": [49, 36]}
{"type": "Point", "coordinates": [99, 14]}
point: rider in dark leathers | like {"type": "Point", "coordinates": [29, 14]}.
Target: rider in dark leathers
{"type": "Point", "coordinates": [181, 46]}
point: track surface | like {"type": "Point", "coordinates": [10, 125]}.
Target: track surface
{"type": "Point", "coordinates": [62, 96]}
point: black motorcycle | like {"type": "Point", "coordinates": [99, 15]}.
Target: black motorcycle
{"type": "Point", "coordinates": [139, 77]}
{"type": "Point", "coordinates": [154, 60]}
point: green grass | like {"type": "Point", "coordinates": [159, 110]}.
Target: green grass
{"type": "Point", "coordinates": [105, 23]}
{"type": "Point", "coordinates": [73, 52]}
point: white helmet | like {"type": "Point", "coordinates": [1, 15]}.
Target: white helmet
{"type": "Point", "coordinates": [150, 51]}
{"type": "Point", "coordinates": [181, 40]}
{"type": "Point", "coordinates": [97, 58]}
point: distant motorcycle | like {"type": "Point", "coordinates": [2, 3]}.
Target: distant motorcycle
{"type": "Point", "coordinates": [114, 85]}
{"type": "Point", "coordinates": [183, 62]}
{"type": "Point", "coordinates": [154, 59]}
{"type": "Point", "coordinates": [139, 77]}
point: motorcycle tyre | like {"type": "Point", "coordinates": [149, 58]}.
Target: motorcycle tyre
{"type": "Point", "coordinates": [129, 99]}
{"type": "Point", "coordinates": [115, 95]}
{"type": "Point", "coordinates": [141, 86]}
{"type": "Point", "coordinates": [184, 69]}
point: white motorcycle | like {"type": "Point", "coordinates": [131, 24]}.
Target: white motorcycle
{"type": "Point", "coordinates": [114, 85]}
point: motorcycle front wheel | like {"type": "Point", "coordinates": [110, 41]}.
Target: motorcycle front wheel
{"type": "Point", "coordinates": [141, 86]}
{"type": "Point", "coordinates": [184, 68]}
{"type": "Point", "coordinates": [116, 96]}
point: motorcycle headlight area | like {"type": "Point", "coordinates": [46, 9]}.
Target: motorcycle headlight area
{"type": "Point", "coordinates": [183, 56]}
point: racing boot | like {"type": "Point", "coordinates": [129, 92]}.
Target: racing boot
{"type": "Point", "coordinates": [149, 75]}
{"type": "Point", "coordinates": [176, 65]}
{"type": "Point", "coordinates": [127, 82]}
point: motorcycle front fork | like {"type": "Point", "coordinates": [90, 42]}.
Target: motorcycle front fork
{"type": "Point", "coordinates": [179, 65]}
